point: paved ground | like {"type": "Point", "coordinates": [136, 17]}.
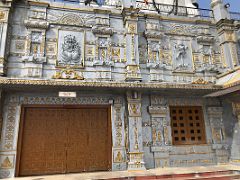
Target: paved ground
{"type": "Point", "coordinates": [117, 174]}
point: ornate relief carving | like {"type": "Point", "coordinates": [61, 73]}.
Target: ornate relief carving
{"type": "Point", "coordinates": [71, 49]}
{"type": "Point", "coordinates": [103, 54]}
{"type": "Point", "coordinates": [7, 164]}
{"type": "Point", "coordinates": [182, 58]}
{"type": "Point", "coordinates": [216, 123]}
{"type": "Point", "coordinates": [118, 158]}
{"type": "Point", "coordinates": [133, 73]}
{"type": "Point", "coordinates": [39, 24]}
{"type": "Point", "coordinates": [118, 125]}
{"type": "Point", "coordinates": [68, 74]}
{"type": "Point", "coordinates": [59, 100]}
{"type": "Point", "coordinates": [102, 30]}
{"type": "Point", "coordinates": [20, 45]}
{"type": "Point", "coordinates": [181, 29]}
{"type": "Point", "coordinates": [10, 124]}
{"type": "Point", "coordinates": [35, 47]}
{"type": "Point", "coordinates": [134, 109]}
{"type": "Point", "coordinates": [200, 81]}
{"type": "Point", "coordinates": [51, 48]}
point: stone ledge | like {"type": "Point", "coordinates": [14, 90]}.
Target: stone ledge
{"type": "Point", "coordinates": [5, 82]}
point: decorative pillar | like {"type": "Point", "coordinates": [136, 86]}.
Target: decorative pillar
{"type": "Point", "coordinates": [8, 147]}
{"type": "Point", "coordinates": [161, 134]}
{"type": "Point", "coordinates": [136, 161]}
{"type": "Point", "coordinates": [131, 37]}
{"type": "Point", "coordinates": [235, 149]}
{"type": "Point", "coordinates": [228, 43]}
{"type": "Point", "coordinates": [118, 134]}
{"type": "Point", "coordinates": [219, 145]}
{"type": "Point", "coordinates": [4, 36]}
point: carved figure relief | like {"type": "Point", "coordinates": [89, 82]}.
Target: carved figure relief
{"type": "Point", "coordinates": [70, 49]}
{"type": "Point", "coordinates": [182, 56]}
{"type": "Point", "coordinates": [181, 50]}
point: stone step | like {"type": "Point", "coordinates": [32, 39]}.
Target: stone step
{"type": "Point", "coordinates": [215, 175]}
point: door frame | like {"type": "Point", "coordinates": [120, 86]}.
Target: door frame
{"type": "Point", "coordinates": [67, 106]}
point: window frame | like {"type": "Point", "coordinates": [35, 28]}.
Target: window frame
{"type": "Point", "coordinates": [188, 126]}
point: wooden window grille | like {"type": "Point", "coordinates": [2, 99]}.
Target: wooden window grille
{"type": "Point", "coordinates": [188, 126]}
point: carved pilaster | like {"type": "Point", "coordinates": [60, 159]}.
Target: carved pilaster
{"type": "Point", "coordinates": [119, 149]}
{"type": "Point", "coordinates": [131, 40]}
{"type": "Point", "coordinates": [161, 132]}
{"type": "Point", "coordinates": [215, 115]}
{"type": "Point", "coordinates": [235, 153]}
{"type": "Point", "coordinates": [136, 161]}
{"type": "Point", "coordinates": [8, 141]}
{"type": "Point", "coordinates": [228, 43]}
{"type": "Point", "coordinates": [4, 39]}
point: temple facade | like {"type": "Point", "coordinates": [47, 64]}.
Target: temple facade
{"type": "Point", "coordinates": [123, 85]}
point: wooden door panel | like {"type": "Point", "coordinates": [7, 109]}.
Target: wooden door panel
{"type": "Point", "coordinates": [93, 145]}
{"type": "Point", "coordinates": [58, 140]}
{"type": "Point", "coordinates": [43, 146]}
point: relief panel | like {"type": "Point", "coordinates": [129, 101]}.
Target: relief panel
{"type": "Point", "coordinates": [71, 49]}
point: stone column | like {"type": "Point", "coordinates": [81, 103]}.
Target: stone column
{"type": "Point", "coordinates": [161, 134]}
{"type": "Point", "coordinates": [235, 149]}
{"type": "Point", "coordinates": [215, 115]}
{"type": "Point", "coordinates": [136, 161]}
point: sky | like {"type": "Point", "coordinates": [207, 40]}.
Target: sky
{"type": "Point", "coordinates": [234, 4]}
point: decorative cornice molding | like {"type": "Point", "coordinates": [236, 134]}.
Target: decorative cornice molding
{"type": "Point", "coordinates": [128, 85]}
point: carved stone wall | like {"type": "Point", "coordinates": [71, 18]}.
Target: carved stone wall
{"type": "Point", "coordinates": [166, 154]}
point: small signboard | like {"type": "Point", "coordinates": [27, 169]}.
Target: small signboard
{"type": "Point", "coordinates": [67, 94]}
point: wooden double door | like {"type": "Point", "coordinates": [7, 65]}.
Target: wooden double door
{"type": "Point", "coordinates": [64, 140]}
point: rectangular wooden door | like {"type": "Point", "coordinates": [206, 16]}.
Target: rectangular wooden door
{"type": "Point", "coordinates": [89, 144]}
{"type": "Point", "coordinates": [64, 140]}
{"type": "Point", "coordinates": [44, 138]}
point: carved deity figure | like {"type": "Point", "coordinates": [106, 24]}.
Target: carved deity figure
{"type": "Point", "coordinates": [181, 51]}
{"type": "Point", "coordinates": [71, 51]}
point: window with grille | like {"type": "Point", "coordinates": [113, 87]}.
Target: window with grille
{"type": "Point", "coordinates": [187, 125]}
